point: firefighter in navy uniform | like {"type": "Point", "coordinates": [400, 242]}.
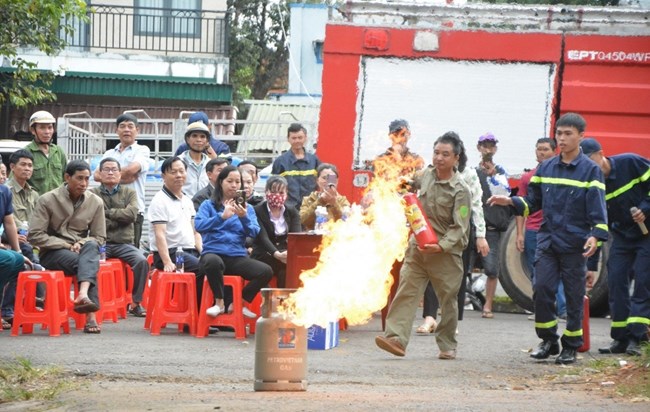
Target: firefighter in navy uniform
{"type": "Point", "coordinates": [627, 185]}
{"type": "Point", "coordinates": [570, 191]}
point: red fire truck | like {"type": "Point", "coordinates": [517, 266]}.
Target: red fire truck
{"type": "Point", "coordinates": [510, 70]}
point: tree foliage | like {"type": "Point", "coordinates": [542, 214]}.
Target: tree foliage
{"type": "Point", "coordinates": [40, 24]}
{"type": "Point", "coordinates": [258, 46]}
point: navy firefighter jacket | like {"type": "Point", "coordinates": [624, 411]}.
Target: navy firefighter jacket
{"type": "Point", "coordinates": [572, 198]}
{"type": "Point", "coordinates": [628, 185]}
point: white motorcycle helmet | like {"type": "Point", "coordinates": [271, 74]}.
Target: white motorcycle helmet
{"type": "Point", "coordinates": [41, 116]}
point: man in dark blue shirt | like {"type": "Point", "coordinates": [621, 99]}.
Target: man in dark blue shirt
{"type": "Point", "coordinates": [11, 261]}
{"type": "Point", "coordinates": [627, 186]}
{"type": "Point", "coordinates": [570, 191]}
{"type": "Point", "coordinates": [297, 166]}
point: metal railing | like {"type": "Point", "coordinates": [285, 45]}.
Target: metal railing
{"type": "Point", "coordinates": [160, 30]}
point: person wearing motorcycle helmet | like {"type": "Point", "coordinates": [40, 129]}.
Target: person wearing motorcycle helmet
{"type": "Point", "coordinates": [49, 159]}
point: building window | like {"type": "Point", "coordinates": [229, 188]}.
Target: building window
{"type": "Point", "coordinates": [168, 18]}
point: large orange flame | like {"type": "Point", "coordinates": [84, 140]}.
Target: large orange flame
{"type": "Point", "coordinates": [352, 278]}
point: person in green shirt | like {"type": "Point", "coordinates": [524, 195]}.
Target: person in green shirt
{"type": "Point", "coordinates": [49, 159]}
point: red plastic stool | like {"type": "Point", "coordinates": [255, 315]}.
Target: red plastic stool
{"type": "Point", "coordinates": [148, 296]}
{"type": "Point", "coordinates": [108, 307]}
{"type": "Point", "coordinates": [175, 301]}
{"type": "Point", "coordinates": [148, 283]}
{"type": "Point", "coordinates": [129, 285]}
{"type": "Point", "coordinates": [119, 270]}
{"type": "Point", "coordinates": [256, 304]}
{"type": "Point", "coordinates": [55, 313]}
{"type": "Point", "coordinates": [234, 319]}
{"type": "Point", "coordinates": [72, 289]}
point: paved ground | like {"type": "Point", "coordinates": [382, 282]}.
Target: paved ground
{"type": "Point", "coordinates": [125, 368]}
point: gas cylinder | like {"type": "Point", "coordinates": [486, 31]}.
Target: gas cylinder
{"type": "Point", "coordinates": [586, 344]}
{"type": "Point", "coordinates": [280, 347]}
{"type": "Point", "coordinates": [420, 226]}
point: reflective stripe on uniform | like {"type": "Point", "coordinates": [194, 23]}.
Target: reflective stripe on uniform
{"type": "Point", "coordinates": [573, 333]}
{"type": "Point", "coordinates": [547, 325]}
{"type": "Point", "coordinates": [638, 319]}
{"type": "Point", "coordinates": [602, 226]}
{"type": "Point", "coordinates": [526, 208]}
{"type": "Point", "coordinates": [298, 173]}
{"type": "Point", "coordinates": [619, 324]}
{"type": "Point", "coordinates": [628, 186]}
{"type": "Point", "coordinates": [567, 182]}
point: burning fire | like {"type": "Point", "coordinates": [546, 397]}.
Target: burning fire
{"type": "Point", "coordinates": [352, 278]}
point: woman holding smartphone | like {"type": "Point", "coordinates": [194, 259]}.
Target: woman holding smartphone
{"type": "Point", "coordinates": [224, 225]}
{"type": "Point", "coordinates": [324, 195]}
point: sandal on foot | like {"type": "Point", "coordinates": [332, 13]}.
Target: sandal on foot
{"type": "Point", "coordinates": [92, 327]}
{"type": "Point", "coordinates": [487, 314]}
{"type": "Point", "coordinates": [427, 328]}
{"type": "Point", "coordinates": [85, 305]}
{"type": "Point", "coordinates": [6, 325]}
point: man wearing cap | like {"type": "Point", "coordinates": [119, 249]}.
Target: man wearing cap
{"type": "Point", "coordinates": [49, 159]}
{"type": "Point", "coordinates": [134, 163]}
{"type": "Point", "coordinates": [570, 191]}
{"type": "Point", "coordinates": [494, 181]}
{"type": "Point", "coordinates": [196, 138]}
{"type": "Point", "coordinates": [216, 146]}
{"type": "Point", "coordinates": [297, 166]}
{"type": "Point", "coordinates": [627, 186]}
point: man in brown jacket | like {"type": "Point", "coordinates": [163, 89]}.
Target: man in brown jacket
{"type": "Point", "coordinates": [68, 226]}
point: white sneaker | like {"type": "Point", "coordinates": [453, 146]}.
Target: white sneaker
{"type": "Point", "coordinates": [214, 311]}
{"type": "Point", "coordinates": [248, 313]}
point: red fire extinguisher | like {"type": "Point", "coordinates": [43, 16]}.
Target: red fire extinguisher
{"type": "Point", "coordinates": [420, 226]}
{"type": "Point", "coordinates": [585, 326]}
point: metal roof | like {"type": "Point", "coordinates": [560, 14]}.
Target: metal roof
{"type": "Point", "coordinates": [196, 90]}
{"type": "Point", "coordinates": [267, 123]}
{"type": "Point", "coordinates": [19, 119]}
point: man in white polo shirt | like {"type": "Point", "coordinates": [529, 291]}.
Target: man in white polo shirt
{"type": "Point", "coordinates": [134, 163]}
{"type": "Point", "coordinates": [171, 223]}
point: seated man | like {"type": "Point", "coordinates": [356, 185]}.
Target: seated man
{"type": "Point", "coordinates": [68, 226]}
{"type": "Point", "coordinates": [24, 198]}
{"type": "Point", "coordinates": [171, 224]}
{"type": "Point", "coordinates": [212, 169]}
{"type": "Point", "coordinates": [11, 261]}
{"type": "Point", "coordinates": [121, 211]}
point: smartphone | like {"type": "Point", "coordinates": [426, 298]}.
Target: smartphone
{"type": "Point", "coordinates": [240, 198]}
{"type": "Point", "coordinates": [331, 180]}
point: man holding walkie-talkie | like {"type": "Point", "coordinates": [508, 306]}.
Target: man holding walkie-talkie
{"type": "Point", "coordinates": [627, 192]}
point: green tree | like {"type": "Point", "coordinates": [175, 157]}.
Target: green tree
{"type": "Point", "coordinates": [258, 46]}
{"type": "Point", "coordinates": [41, 24]}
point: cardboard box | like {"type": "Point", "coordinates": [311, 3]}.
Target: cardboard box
{"type": "Point", "coordinates": [323, 338]}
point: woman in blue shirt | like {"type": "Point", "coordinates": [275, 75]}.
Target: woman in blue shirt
{"type": "Point", "coordinates": [224, 225]}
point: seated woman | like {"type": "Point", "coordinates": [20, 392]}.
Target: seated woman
{"type": "Point", "coordinates": [276, 221]}
{"type": "Point", "coordinates": [224, 225]}
{"type": "Point", "coordinates": [324, 195]}
{"type": "Point", "coordinates": [248, 184]}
